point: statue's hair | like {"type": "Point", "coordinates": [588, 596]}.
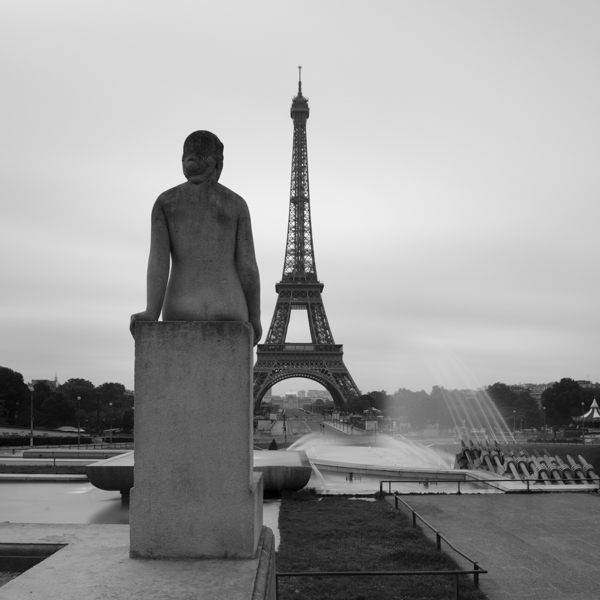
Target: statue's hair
{"type": "Point", "coordinates": [207, 145]}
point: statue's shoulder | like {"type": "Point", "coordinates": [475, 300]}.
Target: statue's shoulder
{"type": "Point", "coordinates": [169, 196]}
{"type": "Point", "coordinates": [231, 197]}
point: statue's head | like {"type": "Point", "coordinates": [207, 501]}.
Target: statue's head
{"type": "Point", "coordinates": [202, 156]}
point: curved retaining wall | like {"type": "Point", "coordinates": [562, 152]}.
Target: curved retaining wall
{"type": "Point", "coordinates": [117, 473]}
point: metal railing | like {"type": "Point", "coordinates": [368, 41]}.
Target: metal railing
{"type": "Point", "coordinates": [456, 574]}
{"type": "Point", "coordinates": [265, 348]}
{"type": "Point", "coordinates": [101, 446]}
{"type": "Point", "coordinates": [489, 482]}
{"type": "Point", "coordinates": [477, 570]}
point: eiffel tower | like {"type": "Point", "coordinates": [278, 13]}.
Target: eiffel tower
{"type": "Point", "coordinates": [299, 289]}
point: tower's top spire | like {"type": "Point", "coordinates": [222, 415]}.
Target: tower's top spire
{"type": "Point", "coordinates": [299, 103]}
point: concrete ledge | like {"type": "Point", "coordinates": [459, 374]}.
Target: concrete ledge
{"type": "Point", "coordinates": [34, 477]}
{"type": "Point", "coordinates": [95, 565]}
{"type": "Point", "coordinates": [265, 585]}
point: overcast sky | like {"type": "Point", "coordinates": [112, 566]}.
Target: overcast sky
{"type": "Point", "coordinates": [454, 173]}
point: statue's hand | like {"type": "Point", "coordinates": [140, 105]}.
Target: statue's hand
{"type": "Point", "coordinates": [257, 331]}
{"type": "Point", "coordinates": [141, 316]}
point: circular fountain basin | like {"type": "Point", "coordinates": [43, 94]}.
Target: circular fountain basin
{"type": "Point", "coordinates": [282, 470]}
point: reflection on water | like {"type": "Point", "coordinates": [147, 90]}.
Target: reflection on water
{"type": "Point", "coordinates": [69, 502]}
{"type": "Point", "coordinates": [73, 502]}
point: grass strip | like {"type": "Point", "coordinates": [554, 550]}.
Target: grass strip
{"type": "Point", "coordinates": [334, 533]}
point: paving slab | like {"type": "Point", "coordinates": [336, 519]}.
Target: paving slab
{"type": "Point", "coordinates": [95, 565]}
{"type": "Point", "coordinates": [544, 547]}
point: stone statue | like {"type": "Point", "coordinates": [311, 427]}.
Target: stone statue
{"type": "Point", "coordinates": [202, 229]}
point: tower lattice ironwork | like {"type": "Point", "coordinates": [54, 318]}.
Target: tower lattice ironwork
{"type": "Point", "coordinates": [299, 289]}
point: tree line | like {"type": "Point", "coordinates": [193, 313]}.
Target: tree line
{"type": "Point", "coordinates": [450, 408]}
{"type": "Point", "coordinates": [108, 405]}
{"type": "Point", "coordinates": [77, 401]}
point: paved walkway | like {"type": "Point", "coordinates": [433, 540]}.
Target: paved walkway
{"type": "Point", "coordinates": [534, 546]}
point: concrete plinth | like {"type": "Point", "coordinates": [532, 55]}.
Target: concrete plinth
{"type": "Point", "coordinates": [195, 493]}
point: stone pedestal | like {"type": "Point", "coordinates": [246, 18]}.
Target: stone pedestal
{"type": "Point", "coordinates": [195, 494]}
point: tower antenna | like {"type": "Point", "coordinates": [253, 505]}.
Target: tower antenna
{"type": "Point", "coordinates": [300, 80]}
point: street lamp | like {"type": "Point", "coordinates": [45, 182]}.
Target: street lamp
{"type": "Point", "coordinates": [582, 423]}
{"type": "Point", "coordinates": [31, 415]}
{"type": "Point", "coordinates": [514, 421]}
{"type": "Point", "coordinates": [78, 422]}
{"type": "Point", "coordinates": [111, 422]}
{"type": "Point", "coordinates": [544, 409]}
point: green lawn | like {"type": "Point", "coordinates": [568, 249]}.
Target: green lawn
{"type": "Point", "coordinates": [334, 533]}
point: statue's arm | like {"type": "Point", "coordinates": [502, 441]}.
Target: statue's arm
{"type": "Point", "coordinates": [158, 268]}
{"type": "Point", "coordinates": [248, 270]}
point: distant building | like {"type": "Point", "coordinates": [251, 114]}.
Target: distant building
{"type": "Point", "coordinates": [535, 389]}
{"type": "Point", "coordinates": [51, 383]}
{"type": "Point", "coordinates": [584, 383]}
{"type": "Point", "coordinates": [301, 394]}
{"type": "Point", "coordinates": [290, 400]}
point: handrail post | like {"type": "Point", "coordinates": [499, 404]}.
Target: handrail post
{"type": "Point", "coordinates": [438, 541]}
{"type": "Point", "coordinates": [396, 501]}
{"type": "Point", "coordinates": [414, 514]}
{"type": "Point", "coordinates": [458, 492]}
{"type": "Point", "coordinates": [381, 488]}
{"type": "Point", "coordinates": [457, 592]}
{"type": "Point", "coordinates": [476, 576]}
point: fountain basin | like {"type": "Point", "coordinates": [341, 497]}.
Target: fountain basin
{"type": "Point", "coordinates": [282, 470]}
{"type": "Point", "coordinates": [114, 473]}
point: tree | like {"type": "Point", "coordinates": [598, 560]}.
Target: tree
{"type": "Point", "coordinates": [58, 410]}
{"type": "Point", "coordinates": [86, 408]}
{"type": "Point", "coordinates": [380, 400]}
{"type": "Point", "coordinates": [441, 402]}
{"type": "Point", "coordinates": [127, 421]}
{"type": "Point", "coordinates": [41, 392]}
{"type": "Point", "coordinates": [563, 401]}
{"type": "Point", "coordinates": [358, 404]}
{"type": "Point", "coordinates": [111, 393]}
{"type": "Point", "coordinates": [82, 388]}
{"type": "Point", "coordinates": [516, 404]}
{"type": "Point", "coordinates": [528, 410]}
{"type": "Point", "coordinates": [413, 405]}
{"type": "Point", "coordinates": [502, 396]}
{"type": "Point", "coordinates": [14, 398]}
